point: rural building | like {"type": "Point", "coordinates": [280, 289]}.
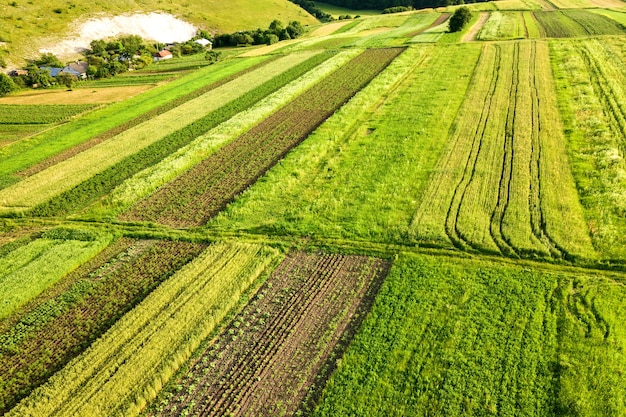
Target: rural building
{"type": "Point", "coordinates": [204, 42]}
{"type": "Point", "coordinates": [163, 55]}
{"type": "Point", "coordinates": [79, 69]}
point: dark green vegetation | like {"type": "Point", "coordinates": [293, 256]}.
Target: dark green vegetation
{"type": "Point", "coordinates": [40, 114]}
{"type": "Point", "coordinates": [460, 18]}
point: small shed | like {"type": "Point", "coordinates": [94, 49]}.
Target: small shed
{"type": "Point", "coordinates": [163, 55]}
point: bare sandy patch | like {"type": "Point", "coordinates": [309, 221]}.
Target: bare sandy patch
{"type": "Point", "coordinates": [160, 27]}
{"type": "Point", "coordinates": [473, 32]}
{"type": "Point", "coordinates": [77, 96]}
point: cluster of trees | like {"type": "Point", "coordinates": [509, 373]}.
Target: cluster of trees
{"type": "Point", "coordinates": [459, 19]}
{"type": "Point", "coordinates": [310, 7]}
{"type": "Point", "coordinates": [276, 32]}
{"type": "Point", "coordinates": [397, 9]}
{"type": "Point", "coordinates": [107, 58]}
{"type": "Point", "coordinates": [387, 4]}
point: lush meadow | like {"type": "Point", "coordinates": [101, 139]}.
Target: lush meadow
{"type": "Point", "coordinates": [470, 337]}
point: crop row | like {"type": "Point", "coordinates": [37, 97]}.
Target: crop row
{"type": "Point", "coordinates": [361, 174]}
{"type": "Point", "coordinates": [28, 270]}
{"type": "Point", "coordinates": [514, 209]}
{"type": "Point", "coordinates": [125, 368]}
{"type": "Point", "coordinates": [265, 362]}
{"type": "Point", "coordinates": [26, 153]}
{"type": "Point", "coordinates": [103, 182]}
{"type": "Point", "coordinates": [148, 180]}
{"type": "Point", "coordinates": [144, 117]}
{"type": "Point", "coordinates": [465, 337]}
{"type": "Point", "coordinates": [52, 331]}
{"type": "Point", "coordinates": [193, 198]}
{"type": "Point", "coordinates": [183, 122]}
{"type": "Point", "coordinates": [574, 23]}
{"type": "Point", "coordinates": [15, 114]}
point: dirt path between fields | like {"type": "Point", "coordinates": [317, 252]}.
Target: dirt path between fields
{"type": "Point", "coordinates": [473, 32]}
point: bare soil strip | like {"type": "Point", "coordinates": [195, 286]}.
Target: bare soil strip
{"type": "Point", "coordinates": [443, 18]}
{"type": "Point", "coordinates": [473, 32]}
{"type": "Point", "coordinates": [283, 341]}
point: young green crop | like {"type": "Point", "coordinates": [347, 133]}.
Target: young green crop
{"type": "Point", "coordinates": [20, 114]}
{"type": "Point", "coordinates": [30, 269]}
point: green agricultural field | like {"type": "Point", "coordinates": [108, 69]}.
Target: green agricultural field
{"type": "Point", "coordinates": [470, 337]}
{"type": "Point", "coordinates": [349, 179]}
{"type": "Point", "coordinates": [29, 270]}
{"type": "Point", "coordinates": [504, 25]}
{"type": "Point", "coordinates": [377, 218]}
{"type": "Point", "coordinates": [46, 184]}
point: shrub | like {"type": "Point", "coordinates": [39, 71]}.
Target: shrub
{"type": "Point", "coordinates": [460, 18]}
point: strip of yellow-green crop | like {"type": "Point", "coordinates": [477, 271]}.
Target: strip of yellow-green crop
{"type": "Point", "coordinates": [29, 270]}
{"type": "Point", "coordinates": [126, 367]}
{"type": "Point", "coordinates": [150, 179]}
{"type": "Point", "coordinates": [28, 152]}
{"type": "Point", "coordinates": [67, 174]}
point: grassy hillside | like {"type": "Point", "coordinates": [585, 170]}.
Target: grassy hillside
{"type": "Point", "coordinates": [26, 25]}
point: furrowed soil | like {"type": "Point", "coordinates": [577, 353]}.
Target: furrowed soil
{"type": "Point", "coordinates": [272, 352]}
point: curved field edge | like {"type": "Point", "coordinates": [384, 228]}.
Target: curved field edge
{"type": "Point", "coordinates": [143, 349]}
{"type": "Point", "coordinates": [349, 179]}
{"type": "Point", "coordinates": [28, 152]}
{"type": "Point", "coordinates": [474, 337]}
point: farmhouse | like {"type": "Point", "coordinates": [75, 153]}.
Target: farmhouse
{"type": "Point", "coordinates": [163, 55]}
{"type": "Point", "coordinates": [79, 69]}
